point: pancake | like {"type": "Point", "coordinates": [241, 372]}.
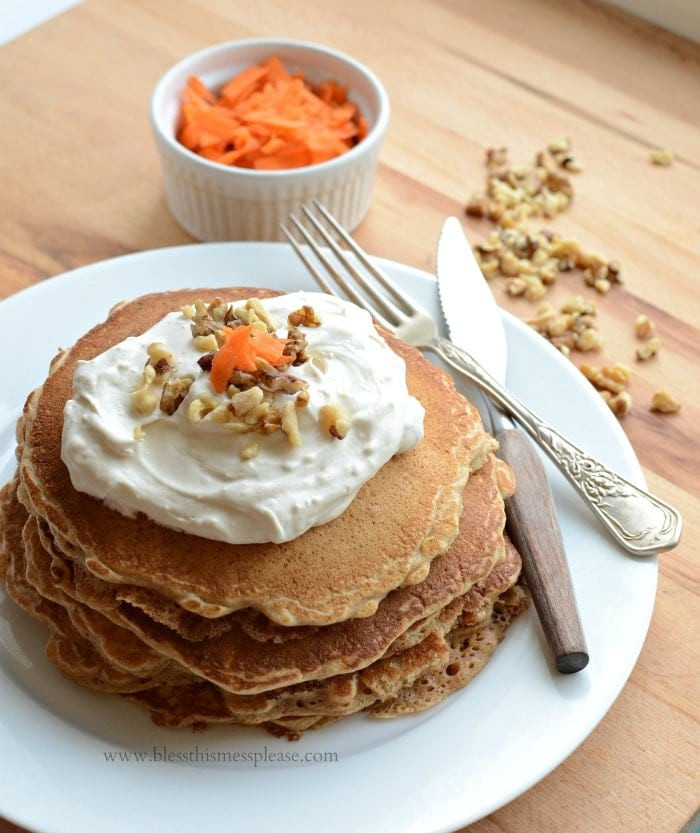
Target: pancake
{"type": "Point", "coordinates": [474, 628]}
{"type": "Point", "coordinates": [388, 678]}
{"type": "Point", "coordinates": [469, 651]}
{"type": "Point", "coordinates": [385, 539]}
{"type": "Point", "coordinates": [238, 663]}
{"type": "Point", "coordinates": [424, 676]}
{"type": "Point", "coordinates": [387, 609]}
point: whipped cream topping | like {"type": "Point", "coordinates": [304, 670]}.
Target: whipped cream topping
{"type": "Point", "coordinates": [191, 476]}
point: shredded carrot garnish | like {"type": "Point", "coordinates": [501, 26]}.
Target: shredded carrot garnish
{"type": "Point", "coordinates": [268, 119]}
{"type": "Point", "coordinates": [242, 347]}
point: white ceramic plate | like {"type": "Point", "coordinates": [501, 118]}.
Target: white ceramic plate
{"type": "Point", "coordinates": [435, 772]}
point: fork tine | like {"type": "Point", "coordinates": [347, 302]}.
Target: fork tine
{"type": "Point", "coordinates": [315, 274]}
{"type": "Point", "coordinates": [376, 273]}
{"type": "Point", "coordinates": [330, 268]}
{"type": "Point", "coordinates": [387, 309]}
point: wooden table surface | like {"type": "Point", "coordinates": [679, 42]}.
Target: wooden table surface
{"type": "Point", "coordinates": [80, 181]}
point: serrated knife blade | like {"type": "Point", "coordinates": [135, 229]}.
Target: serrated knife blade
{"type": "Point", "coordinates": [468, 306]}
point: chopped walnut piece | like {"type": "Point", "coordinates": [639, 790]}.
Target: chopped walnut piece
{"type": "Point", "coordinates": [305, 316]}
{"type": "Point", "coordinates": [262, 314]}
{"type": "Point", "coordinates": [217, 309]}
{"type": "Point", "coordinates": [243, 380]}
{"type": "Point", "coordinates": [620, 404]}
{"type": "Point", "coordinates": [516, 287]}
{"type": "Point", "coordinates": [249, 451]}
{"type": "Point", "coordinates": [206, 343]}
{"type": "Point", "coordinates": [174, 393]}
{"type": "Point", "coordinates": [237, 426]}
{"type": "Point", "coordinates": [617, 372]}
{"type": "Point", "coordinates": [648, 349]}
{"type": "Point", "coordinates": [612, 378]}
{"type": "Point", "coordinates": [643, 327]}
{"type": "Point", "coordinates": [589, 339]}
{"type": "Point", "coordinates": [206, 361]}
{"type": "Point", "coordinates": [271, 379]}
{"type": "Point", "coordinates": [247, 315]}
{"type": "Point", "coordinates": [221, 414]}
{"type": "Point", "coordinates": [290, 424]}
{"type": "Point", "coordinates": [534, 288]}
{"type": "Point", "coordinates": [296, 346]}
{"type": "Point", "coordinates": [571, 164]}
{"type": "Point", "coordinates": [497, 157]}
{"type": "Point", "coordinates": [665, 403]}
{"type": "Point", "coordinates": [542, 321]}
{"type": "Point", "coordinates": [271, 422]}
{"type": "Point", "coordinates": [258, 413]}
{"type": "Point", "coordinates": [204, 326]}
{"type": "Point", "coordinates": [579, 305]}
{"type": "Point", "coordinates": [200, 407]}
{"type": "Point", "coordinates": [243, 402]}
{"type": "Point", "coordinates": [562, 144]}
{"type": "Point", "coordinates": [661, 156]}
{"type": "Point", "coordinates": [144, 399]}
{"type": "Point", "coordinates": [157, 350]}
{"type": "Point", "coordinates": [560, 325]}
{"type": "Point", "coordinates": [333, 420]}
{"type": "Point", "coordinates": [161, 360]}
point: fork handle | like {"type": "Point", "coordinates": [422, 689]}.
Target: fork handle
{"type": "Point", "coordinates": [638, 521]}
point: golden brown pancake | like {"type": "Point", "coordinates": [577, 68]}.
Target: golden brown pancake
{"type": "Point", "coordinates": [401, 519]}
{"type": "Point", "coordinates": [96, 664]}
{"type": "Point", "coordinates": [402, 683]}
{"type": "Point", "coordinates": [388, 609]}
{"type": "Point", "coordinates": [239, 663]}
{"type": "Point", "coordinates": [411, 681]}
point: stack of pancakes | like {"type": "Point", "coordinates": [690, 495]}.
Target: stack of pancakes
{"type": "Point", "coordinates": [388, 608]}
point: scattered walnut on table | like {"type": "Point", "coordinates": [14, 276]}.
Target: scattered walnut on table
{"type": "Point", "coordinates": [665, 403]}
{"type": "Point", "coordinates": [649, 349]}
{"type": "Point", "coordinates": [532, 261]}
{"type": "Point", "coordinates": [620, 403]}
{"type": "Point", "coordinates": [643, 327]}
{"type": "Point", "coordinates": [661, 156]}
{"type": "Point", "coordinates": [574, 327]}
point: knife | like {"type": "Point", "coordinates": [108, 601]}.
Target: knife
{"type": "Point", "coordinates": [474, 324]}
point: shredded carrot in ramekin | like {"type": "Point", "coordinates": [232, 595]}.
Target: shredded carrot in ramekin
{"type": "Point", "coordinates": [267, 119]}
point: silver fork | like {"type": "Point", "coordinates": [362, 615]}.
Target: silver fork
{"type": "Point", "coordinates": [638, 521]}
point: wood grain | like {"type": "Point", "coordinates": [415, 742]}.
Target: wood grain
{"type": "Point", "coordinates": [80, 181]}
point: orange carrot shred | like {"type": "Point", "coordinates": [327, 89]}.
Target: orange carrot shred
{"type": "Point", "coordinates": [242, 346]}
{"type": "Point", "coordinates": [267, 118]}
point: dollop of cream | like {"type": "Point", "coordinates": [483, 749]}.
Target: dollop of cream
{"type": "Point", "coordinates": [190, 476]}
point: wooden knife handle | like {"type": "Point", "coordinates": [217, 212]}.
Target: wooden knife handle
{"type": "Point", "coordinates": [533, 527]}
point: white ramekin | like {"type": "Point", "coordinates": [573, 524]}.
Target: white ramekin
{"type": "Point", "coordinates": [220, 202]}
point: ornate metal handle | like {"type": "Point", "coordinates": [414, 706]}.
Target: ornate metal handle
{"type": "Point", "coordinates": [641, 523]}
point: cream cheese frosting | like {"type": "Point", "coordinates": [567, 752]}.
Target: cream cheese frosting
{"type": "Point", "coordinates": [191, 476]}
